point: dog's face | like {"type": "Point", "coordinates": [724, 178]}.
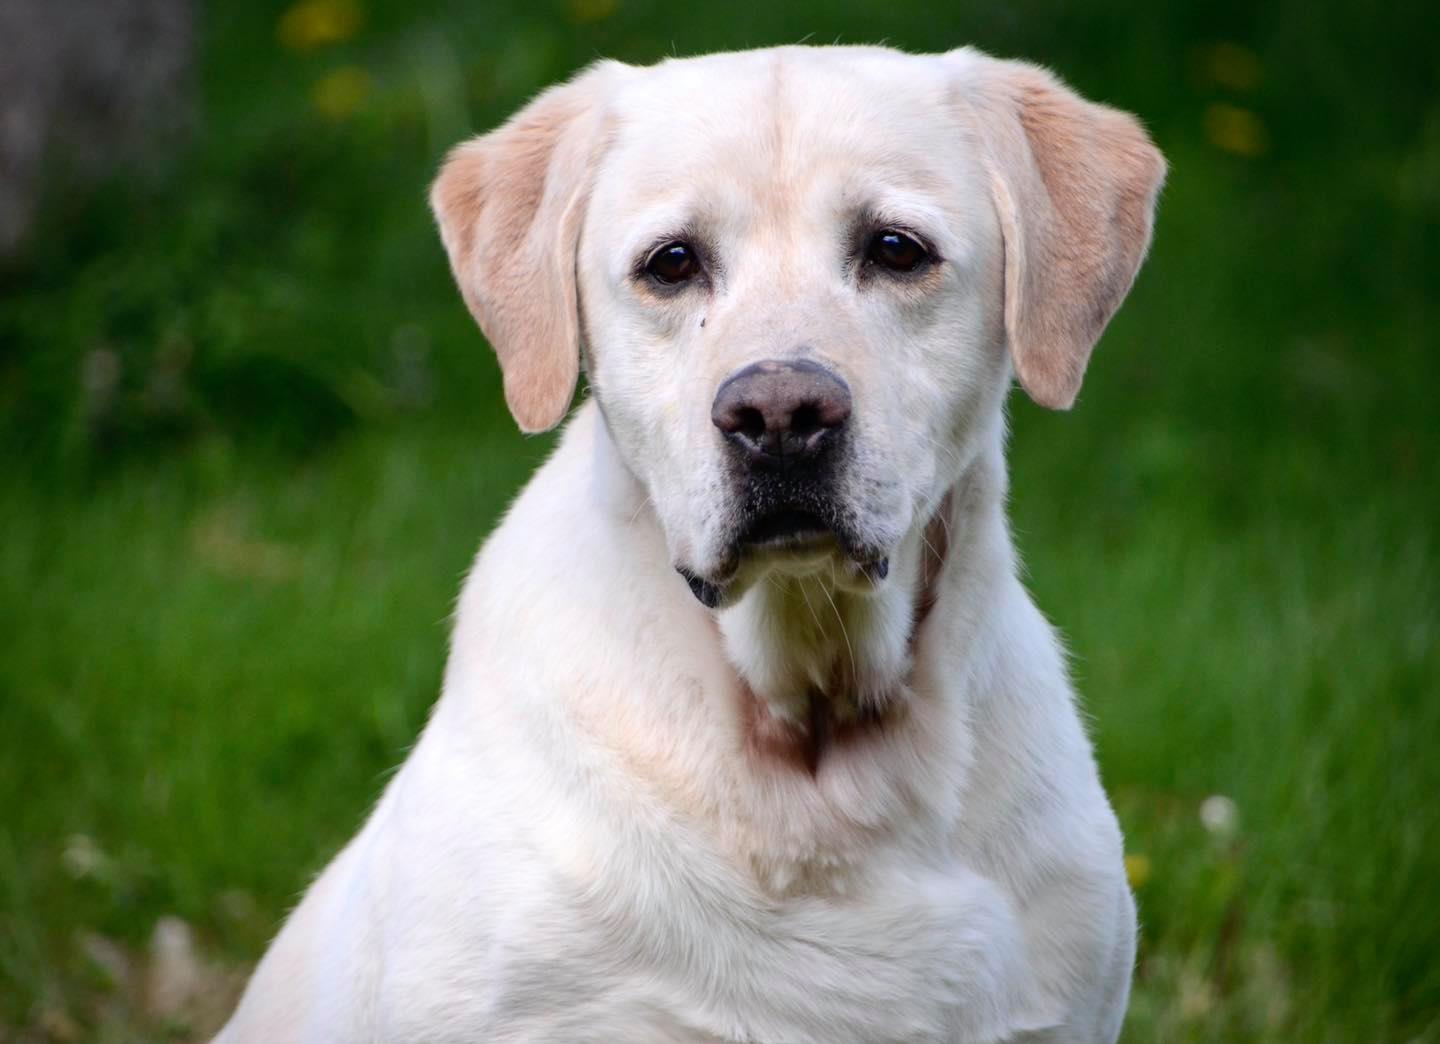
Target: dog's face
{"type": "Point", "coordinates": [799, 278]}
{"type": "Point", "coordinates": [790, 274]}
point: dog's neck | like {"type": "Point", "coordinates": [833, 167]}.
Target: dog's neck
{"type": "Point", "coordinates": [831, 693]}
{"type": "Point", "coordinates": [818, 660]}
{"type": "Point", "coordinates": [817, 657]}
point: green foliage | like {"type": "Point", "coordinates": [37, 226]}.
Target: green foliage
{"type": "Point", "coordinates": [250, 441]}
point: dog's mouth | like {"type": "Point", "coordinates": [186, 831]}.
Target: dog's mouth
{"type": "Point", "coordinates": [788, 537]}
{"type": "Point", "coordinates": [785, 529]}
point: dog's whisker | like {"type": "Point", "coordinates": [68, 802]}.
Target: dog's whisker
{"type": "Point", "coordinates": [803, 594]}
{"type": "Point", "coordinates": [854, 671]}
{"type": "Point", "coordinates": [644, 503]}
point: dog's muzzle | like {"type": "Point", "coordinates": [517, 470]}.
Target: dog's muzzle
{"type": "Point", "coordinates": [784, 423]}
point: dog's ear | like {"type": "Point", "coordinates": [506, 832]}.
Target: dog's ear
{"type": "Point", "coordinates": [1074, 184]}
{"type": "Point", "coordinates": [510, 205]}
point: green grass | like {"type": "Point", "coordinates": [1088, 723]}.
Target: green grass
{"type": "Point", "coordinates": [225, 580]}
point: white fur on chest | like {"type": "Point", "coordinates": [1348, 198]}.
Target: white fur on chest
{"type": "Point", "coordinates": [624, 921]}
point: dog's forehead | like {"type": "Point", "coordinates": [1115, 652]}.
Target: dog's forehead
{"type": "Point", "coordinates": [789, 112]}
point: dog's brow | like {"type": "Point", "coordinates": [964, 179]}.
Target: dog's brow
{"type": "Point", "coordinates": [904, 213]}
{"type": "Point", "coordinates": [653, 226]}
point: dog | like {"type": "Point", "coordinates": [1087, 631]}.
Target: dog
{"type": "Point", "coordinates": [749, 730]}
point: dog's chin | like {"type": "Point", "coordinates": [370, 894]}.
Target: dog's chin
{"type": "Point", "coordinates": [788, 542]}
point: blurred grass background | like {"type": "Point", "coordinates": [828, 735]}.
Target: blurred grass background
{"type": "Point", "coordinates": [249, 441]}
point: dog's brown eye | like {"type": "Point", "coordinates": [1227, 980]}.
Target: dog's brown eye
{"type": "Point", "coordinates": [895, 251]}
{"type": "Point", "coordinates": [673, 263]}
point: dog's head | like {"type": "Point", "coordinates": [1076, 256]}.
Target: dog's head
{"type": "Point", "coordinates": [800, 280]}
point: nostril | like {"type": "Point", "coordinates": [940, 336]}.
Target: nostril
{"type": "Point", "coordinates": [805, 421]}
{"type": "Point", "coordinates": [750, 422]}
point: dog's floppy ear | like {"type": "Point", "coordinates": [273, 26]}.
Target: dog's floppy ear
{"type": "Point", "coordinates": [510, 205]}
{"type": "Point", "coordinates": [1074, 185]}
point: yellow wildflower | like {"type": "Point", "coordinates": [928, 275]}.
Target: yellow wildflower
{"type": "Point", "coordinates": [315, 23]}
{"type": "Point", "coordinates": [1236, 130]}
{"type": "Point", "coordinates": [588, 11]}
{"type": "Point", "coordinates": [338, 94]}
{"type": "Point", "coordinates": [1233, 67]}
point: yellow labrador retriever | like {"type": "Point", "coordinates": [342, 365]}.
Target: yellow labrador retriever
{"type": "Point", "coordinates": [749, 730]}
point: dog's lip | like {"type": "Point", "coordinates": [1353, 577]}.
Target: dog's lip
{"type": "Point", "coordinates": [784, 529]}
{"type": "Point", "coordinates": [708, 593]}
{"type": "Point", "coordinates": [719, 590]}
{"type": "Point", "coordinates": [786, 536]}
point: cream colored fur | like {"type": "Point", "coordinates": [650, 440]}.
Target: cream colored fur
{"type": "Point", "coordinates": [605, 832]}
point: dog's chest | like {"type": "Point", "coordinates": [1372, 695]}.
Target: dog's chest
{"type": "Point", "coordinates": [927, 957]}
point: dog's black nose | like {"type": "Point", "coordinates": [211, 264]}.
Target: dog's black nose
{"type": "Point", "coordinates": [781, 413]}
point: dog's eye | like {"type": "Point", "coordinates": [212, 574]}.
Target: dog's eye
{"type": "Point", "coordinates": [673, 263]}
{"type": "Point", "coordinates": [895, 250]}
